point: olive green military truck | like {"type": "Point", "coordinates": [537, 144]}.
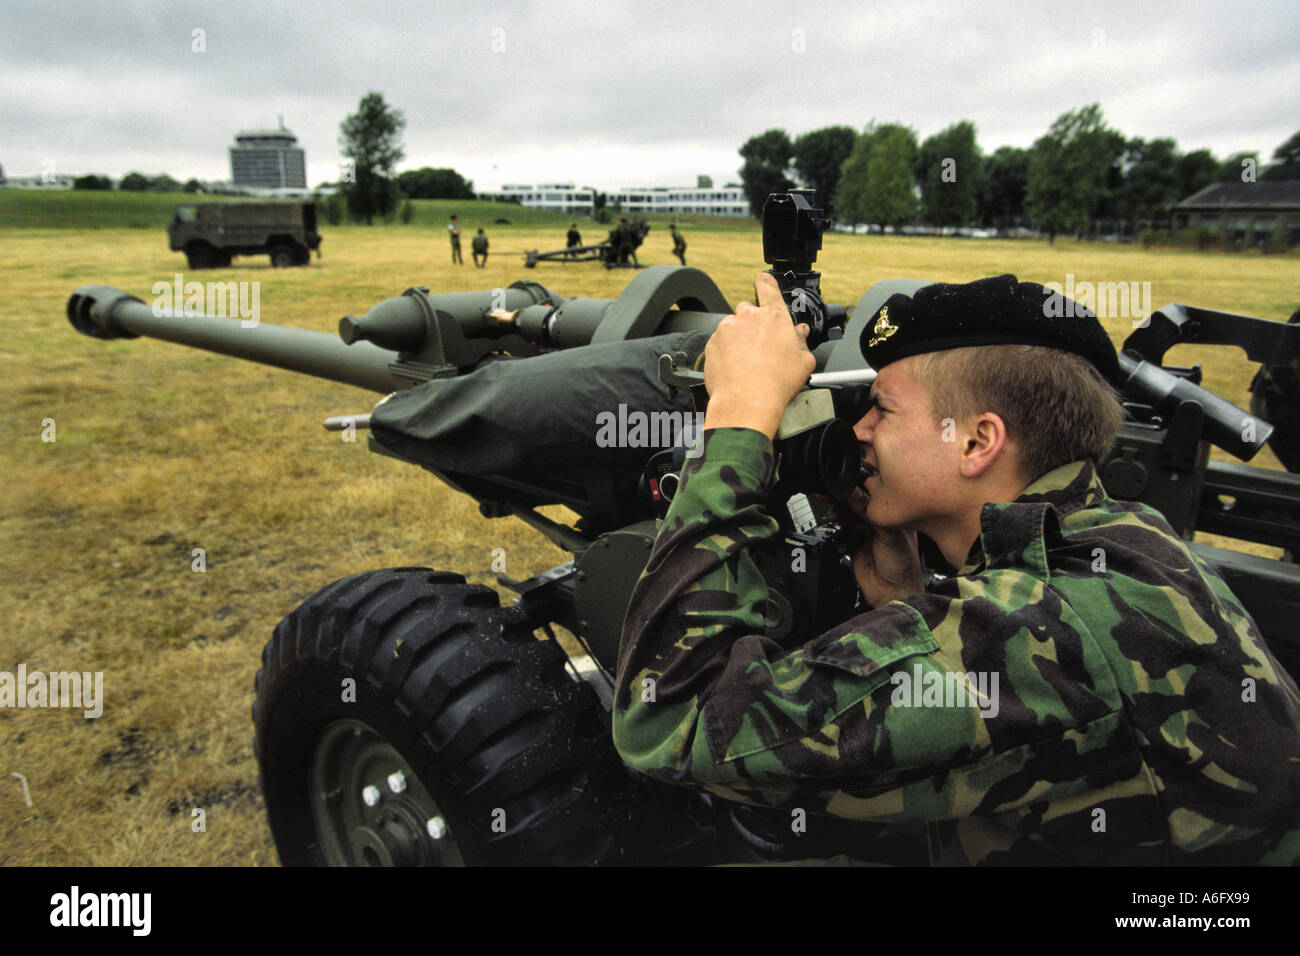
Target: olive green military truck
{"type": "Point", "coordinates": [212, 233]}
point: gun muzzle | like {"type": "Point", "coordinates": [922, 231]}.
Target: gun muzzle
{"type": "Point", "coordinates": [399, 324]}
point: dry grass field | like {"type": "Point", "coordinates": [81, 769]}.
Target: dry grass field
{"type": "Point", "coordinates": [160, 450]}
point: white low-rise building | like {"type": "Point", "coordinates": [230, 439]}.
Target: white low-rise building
{"type": "Point", "coordinates": [581, 200]}
{"type": "Point", "coordinates": [557, 197]}
{"type": "Point", "coordinates": [42, 181]}
{"type": "Point", "coordinates": [699, 201]}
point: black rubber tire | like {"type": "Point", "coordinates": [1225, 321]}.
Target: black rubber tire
{"type": "Point", "coordinates": [200, 255]}
{"type": "Point", "coordinates": [483, 713]}
{"type": "Point", "coordinates": [283, 257]}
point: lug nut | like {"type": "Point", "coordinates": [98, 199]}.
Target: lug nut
{"type": "Point", "coordinates": [397, 781]}
{"type": "Point", "coordinates": [370, 795]}
{"type": "Point", "coordinates": [437, 827]}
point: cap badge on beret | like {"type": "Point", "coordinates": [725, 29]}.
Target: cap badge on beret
{"type": "Point", "coordinates": [883, 328]}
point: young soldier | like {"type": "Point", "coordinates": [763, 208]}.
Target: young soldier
{"type": "Point", "coordinates": [1101, 696]}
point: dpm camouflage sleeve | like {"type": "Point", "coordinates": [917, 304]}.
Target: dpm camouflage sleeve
{"type": "Point", "coordinates": [703, 698]}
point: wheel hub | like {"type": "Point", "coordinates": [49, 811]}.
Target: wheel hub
{"type": "Point", "coordinates": [369, 806]}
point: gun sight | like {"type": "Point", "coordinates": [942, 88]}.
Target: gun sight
{"type": "Point", "coordinates": [792, 231]}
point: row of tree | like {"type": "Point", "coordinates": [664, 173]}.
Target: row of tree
{"type": "Point", "coordinates": [138, 183]}
{"type": "Point", "coordinates": [1078, 175]}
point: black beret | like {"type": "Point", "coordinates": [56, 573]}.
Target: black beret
{"type": "Point", "coordinates": [995, 311]}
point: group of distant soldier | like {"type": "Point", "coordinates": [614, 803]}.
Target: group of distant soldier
{"type": "Point", "coordinates": [623, 239]}
{"type": "Point", "coordinates": [478, 245]}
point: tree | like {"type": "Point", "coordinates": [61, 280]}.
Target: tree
{"type": "Point", "coordinates": [818, 156]}
{"type": "Point", "coordinates": [878, 180]}
{"type": "Point", "coordinates": [372, 138]}
{"type": "Point", "coordinates": [428, 183]}
{"type": "Point", "coordinates": [1196, 170]}
{"type": "Point", "coordinates": [1068, 170]}
{"type": "Point", "coordinates": [703, 182]}
{"type": "Point", "coordinates": [407, 212]}
{"type": "Point", "coordinates": [850, 191]}
{"type": "Point", "coordinates": [767, 157]}
{"type": "Point", "coordinates": [951, 171]}
{"type": "Point", "coordinates": [92, 181]}
{"type": "Point", "coordinates": [891, 176]}
{"type": "Point", "coordinates": [162, 183]}
{"type": "Point", "coordinates": [1286, 160]}
{"type": "Point", "coordinates": [1151, 184]}
{"type": "Point", "coordinates": [133, 182]}
{"type": "Point", "coordinates": [1002, 193]}
{"type": "Point", "coordinates": [192, 186]}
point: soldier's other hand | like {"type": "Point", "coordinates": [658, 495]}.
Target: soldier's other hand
{"type": "Point", "coordinates": [888, 565]}
{"type": "Point", "coordinates": [755, 362]}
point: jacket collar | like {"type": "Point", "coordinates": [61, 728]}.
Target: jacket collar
{"type": "Point", "coordinates": [1020, 533]}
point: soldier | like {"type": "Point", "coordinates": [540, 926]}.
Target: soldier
{"type": "Point", "coordinates": [574, 238]}
{"type": "Point", "coordinates": [479, 247]}
{"type": "Point", "coordinates": [623, 242]}
{"type": "Point", "coordinates": [1078, 688]}
{"type": "Point", "coordinates": [679, 243]}
{"type": "Point", "coordinates": [454, 228]}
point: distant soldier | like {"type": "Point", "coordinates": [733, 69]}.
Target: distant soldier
{"type": "Point", "coordinates": [625, 242]}
{"type": "Point", "coordinates": [479, 246]}
{"type": "Point", "coordinates": [574, 238]}
{"type": "Point", "coordinates": [679, 243]}
{"type": "Point", "coordinates": [454, 228]}
{"type": "Point", "coordinates": [617, 238]}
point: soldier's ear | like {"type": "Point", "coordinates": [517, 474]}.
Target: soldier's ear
{"type": "Point", "coordinates": [983, 440]}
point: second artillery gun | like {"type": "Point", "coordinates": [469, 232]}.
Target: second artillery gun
{"type": "Point", "coordinates": [471, 740]}
{"type": "Point", "coordinates": [615, 252]}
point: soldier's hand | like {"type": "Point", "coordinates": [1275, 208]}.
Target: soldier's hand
{"type": "Point", "coordinates": [888, 565]}
{"type": "Point", "coordinates": [755, 363]}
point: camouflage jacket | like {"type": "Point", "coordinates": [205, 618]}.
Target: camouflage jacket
{"type": "Point", "coordinates": [1083, 691]}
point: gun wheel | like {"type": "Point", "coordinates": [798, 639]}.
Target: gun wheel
{"type": "Point", "coordinates": [403, 718]}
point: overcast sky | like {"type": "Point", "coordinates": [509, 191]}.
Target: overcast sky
{"type": "Point", "coordinates": [621, 92]}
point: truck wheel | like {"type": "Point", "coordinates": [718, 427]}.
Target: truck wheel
{"type": "Point", "coordinates": [200, 255]}
{"type": "Point", "coordinates": [403, 718]}
{"type": "Point", "coordinates": [282, 257]}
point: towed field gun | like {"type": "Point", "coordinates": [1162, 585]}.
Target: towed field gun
{"type": "Point", "coordinates": [615, 252]}
{"type": "Point", "coordinates": [471, 740]}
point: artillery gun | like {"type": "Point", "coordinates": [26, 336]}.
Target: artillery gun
{"type": "Point", "coordinates": [614, 251]}
{"type": "Point", "coordinates": [469, 735]}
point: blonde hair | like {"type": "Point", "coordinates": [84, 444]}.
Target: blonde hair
{"type": "Point", "coordinates": [1056, 406]}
